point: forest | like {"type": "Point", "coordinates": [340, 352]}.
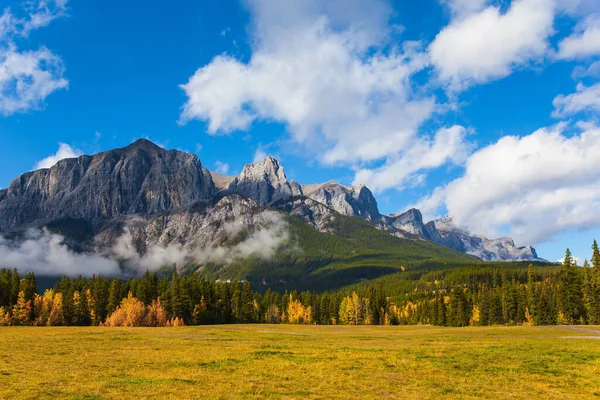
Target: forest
{"type": "Point", "coordinates": [465, 296]}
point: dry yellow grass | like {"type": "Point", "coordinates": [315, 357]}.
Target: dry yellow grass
{"type": "Point", "coordinates": [282, 361]}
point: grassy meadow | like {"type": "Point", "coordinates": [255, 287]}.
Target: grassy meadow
{"type": "Point", "coordinates": [285, 361]}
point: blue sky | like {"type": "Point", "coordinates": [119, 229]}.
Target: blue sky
{"type": "Point", "coordinates": [483, 109]}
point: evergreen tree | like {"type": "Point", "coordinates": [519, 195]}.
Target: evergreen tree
{"type": "Point", "coordinates": [15, 288]}
{"type": "Point", "coordinates": [570, 292]}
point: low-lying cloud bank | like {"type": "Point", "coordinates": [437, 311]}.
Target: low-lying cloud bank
{"type": "Point", "coordinates": [46, 253]}
{"type": "Point", "coordinates": [263, 243]}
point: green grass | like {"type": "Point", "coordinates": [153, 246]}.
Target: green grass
{"type": "Point", "coordinates": [283, 361]}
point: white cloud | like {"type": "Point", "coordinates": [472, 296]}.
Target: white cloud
{"type": "Point", "coordinates": [259, 155]}
{"type": "Point", "coordinates": [27, 77]}
{"type": "Point", "coordinates": [64, 151]}
{"type": "Point", "coordinates": [198, 148]}
{"type": "Point", "coordinates": [448, 145]}
{"type": "Point", "coordinates": [591, 70]}
{"type": "Point", "coordinates": [333, 74]}
{"type": "Point", "coordinates": [263, 243]}
{"type": "Point", "coordinates": [45, 254]}
{"type": "Point", "coordinates": [42, 12]}
{"type": "Point", "coordinates": [327, 70]}
{"type": "Point", "coordinates": [530, 187]}
{"type": "Point", "coordinates": [490, 44]}
{"type": "Point", "coordinates": [586, 98]}
{"type": "Point", "coordinates": [462, 8]}
{"type": "Point", "coordinates": [584, 42]}
{"type": "Point", "coordinates": [221, 167]}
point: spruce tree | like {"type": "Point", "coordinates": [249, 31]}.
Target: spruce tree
{"type": "Point", "coordinates": [570, 292]}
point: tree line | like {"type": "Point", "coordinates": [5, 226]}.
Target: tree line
{"type": "Point", "coordinates": [459, 297]}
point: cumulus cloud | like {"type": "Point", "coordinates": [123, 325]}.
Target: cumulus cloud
{"type": "Point", "coordinates": [534, 186]}
{"type": "Point", "coordinates": [221, 167]}
{"type": "Point", "coordinates": [27, 77]}
{"type": "Point", "coordinates": [328, 70]}
{"type": "Point", "coordinates": [448, 145]}
{"type": "Point", "coordinates": [586, 98]}
{"type": "Point", "coordinates": [45, 254]}
{"type": "Point", "coordinates": [490, 44]}
{"type": "Point", "coordinates": [64, 151]}
{"type": "Point", "coordinates": [333, 73]}
{"type": "Point", "coordinates": [584, 42]}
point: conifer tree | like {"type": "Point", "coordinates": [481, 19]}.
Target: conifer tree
{"type": "Point", "coordinates": [15, 287]}
{"type": "Point", "coordinates": [570, 292]}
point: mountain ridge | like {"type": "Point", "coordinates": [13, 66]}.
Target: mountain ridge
{"type": "Point", "coordinates": [143, 178]}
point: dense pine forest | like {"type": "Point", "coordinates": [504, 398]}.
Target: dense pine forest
{"type": "Point", "coordinates": [467, 296]}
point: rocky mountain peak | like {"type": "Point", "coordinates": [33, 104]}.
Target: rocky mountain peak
{"type": "Point", "coordinates": [265, 182]}
{"type": "Point", "coordinates": [140, 178]}
{"type": "Point", "coordinates": [144, 144]}
{"type": "Point", "coordinates": [269, 169]}
{"type": "Point", "coordinates": [354, 201]}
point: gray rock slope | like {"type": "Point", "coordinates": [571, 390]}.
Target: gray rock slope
{"type": "Point", "coordinates": [141, 178]}
{"type": "Point", "coordinates": [156, 194]}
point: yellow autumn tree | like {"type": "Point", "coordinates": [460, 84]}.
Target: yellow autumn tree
{"type": "Point", "coordinates": [475, 316]}
{"type": "Point", "coordinates": [43, 306]}
{"type": "Point", "coordinates": [175, 322]}
{"type": "Point", "coordinates": [5, 319]}
{"type": "Point", "coordinates": [22, 310]}
{"type": "Point", "coordinates": [56, 316]}
{"type": "Point", "coordinates": [355, 311]}
{"type": "Point", "coordinates": [155, 314]}
{"type": "Point", "coordinates": [131, 312]}
{"type": "Point", "coordinates": [297, 313]}
{"type": "Point", "coordinates": [529, 321]}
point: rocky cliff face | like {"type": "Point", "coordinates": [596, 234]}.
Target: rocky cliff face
{"type": "Point", "coordinates": [264, 182]}
{"type": "Point", "coordinates": [410, 221]}
{"type": "Point", "coordinates": [502, 249]}
{"type": "Point", "coordinates": [163, 197]}
{"type": "Point", "coordinates": [138, 179]}
{"type": "Point", "coordinates": [354, 201]}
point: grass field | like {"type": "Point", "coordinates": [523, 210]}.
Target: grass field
{"type": "Point", "coordinates": [283, 361]}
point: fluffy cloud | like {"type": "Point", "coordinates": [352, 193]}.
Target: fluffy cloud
{"type": "Point", "coordinates": [262, 243]}
{"type": "Point", "coordinates": [27, 77]}
{"type": "Point", "coordinates": [334, 75]}
{"type": "Point", "coordinates": [448, 145]}
{"type": "Point", "coordinates": [327, 71]}
{"type": "Point", "coordinates": [489, 44]}
{"type": "Point", "coordinates": [221, 167]}
{"type": "Point", "coordinates": [259, 155]}
{"type": "Point", "coordinates": [584, 42]}
{"type": "Point", "coordinates": [587, 98]}
{"type": "Point", "coordinates": [46, 254]}
{"type": "Point", "coordinates": [533, 186]}
{"type": "Point", "coordinates": [64, 151]}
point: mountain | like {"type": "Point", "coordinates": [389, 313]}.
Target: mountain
{"type": "Point", "coordinates": [264, 182]}
{"type": "Point", "coordinates": [482, 247]}
{"type": "Point", "coordinates": [141, 178]}
{"type": "Point", "coordinates": [354, 201]}
{"type": "Point", "coordinates": [150, 207]}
